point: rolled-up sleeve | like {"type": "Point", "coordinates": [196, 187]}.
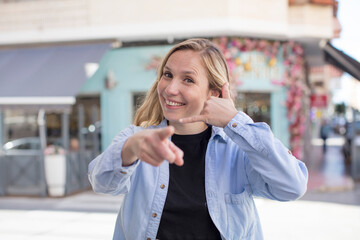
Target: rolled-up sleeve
{"type": "Point", "coordinates": [272, 171]}
{"type": "Point", "coordinates": [106, 173]}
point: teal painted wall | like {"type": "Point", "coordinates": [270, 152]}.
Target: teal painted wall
{"type": "Point", "coordinates": [128, 65]}
{"type": "Point", "coordinates": [129, 68]}
{"type": "Point", "coordinates": [259, 79]}
{"type": "Point", "coordinates": [279, 122]}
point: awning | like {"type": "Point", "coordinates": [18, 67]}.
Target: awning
{"type": "Point", "coordinates": [341, 60]}
{"type": "Point", "coordinates": [46, 77]}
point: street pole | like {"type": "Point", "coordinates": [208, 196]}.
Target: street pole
{"type": "Point", "coordinates": [41, 120]}
{"type": "Point", "coordinates": [42, 128]}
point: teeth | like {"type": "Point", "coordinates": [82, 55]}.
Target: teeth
{"type": "Point", "coordinates": [173, 103]}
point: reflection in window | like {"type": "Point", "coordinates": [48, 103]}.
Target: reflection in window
{"type": "Point", "coordinates": [256, 105]}
{"type": "Point", "coordinates": [19, 123]}
{"type": "Point", "coordinates": [91, 123]}
{"type": "Point", "coordinates": [137, 100]}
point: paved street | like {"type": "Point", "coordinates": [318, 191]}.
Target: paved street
{"type": "Point", "coordinates": [81, 216]}
{"type": "Point", "coordinates": [92, 217]}
{"type": "Point", "coordinates": [330, 210]}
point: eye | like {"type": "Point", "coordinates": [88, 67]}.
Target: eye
{"type": "Point", "coordinates": [189, 80]}
{"type": "Point", "coordinates": [167, 74]}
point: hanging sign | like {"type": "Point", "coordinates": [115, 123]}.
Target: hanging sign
{"type": "Point", "coordinates": [318, 100]}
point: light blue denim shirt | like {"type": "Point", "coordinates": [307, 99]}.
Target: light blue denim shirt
{"type": "Point", "coordinates": [243, 160]}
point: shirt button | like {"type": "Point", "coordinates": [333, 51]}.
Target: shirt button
{"type": "Point", "coordinates": [234, 125]}
{"type": "Point", "coordinates": [289, 152]}
{"type": "Point", "coordinates": [148, 239]}
{"type": "Point", "coordinates": [162, 186]}
{"type": "Point", "coordinates": [123, 172]}
{"type": "Point", "coordinates": [154, 215]}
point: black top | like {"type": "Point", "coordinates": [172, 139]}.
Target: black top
{"type": "Point", "coordinates": [185, 214]}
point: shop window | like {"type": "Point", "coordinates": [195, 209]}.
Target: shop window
{"type": "Point", "coordinates": [256, 105]}
{"type": "Point", "coordinates": [53, 127]}
{"type": "Point", "coordinates": [20, 124]}
{"type": "Point", "coordinates": [137, 100]}
{"type": "Point", "coordinates": [319, 84]}
{"type": "Point", "coordinates": [91, 122]}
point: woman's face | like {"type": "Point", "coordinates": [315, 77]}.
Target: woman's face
{"type": "Point", "coordinates": [184, 86]}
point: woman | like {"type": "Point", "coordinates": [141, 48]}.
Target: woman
{"type": "Point", "coordinates": [191, 163]}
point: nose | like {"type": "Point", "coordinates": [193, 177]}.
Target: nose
{"type": "Point", "coordinates": [172, 88]}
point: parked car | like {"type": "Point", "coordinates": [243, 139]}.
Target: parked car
{"type": "Point", "coordinates": [25, 144]}
{"type": "Point", "coordinates": [28, 143]}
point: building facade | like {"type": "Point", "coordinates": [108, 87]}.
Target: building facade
{"type": "Point", "coordinates": [269, 46]}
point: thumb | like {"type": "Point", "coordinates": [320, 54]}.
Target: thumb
{"type": "Point", "coordinates": [166, 132]}
{"type": "Point", "coordinates": [225, 92]}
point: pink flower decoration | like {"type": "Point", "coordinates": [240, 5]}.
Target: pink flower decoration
{"type": "Point", "coordinates": [277, 82]}
{"type": "Point", "coordinates": [292, 79]}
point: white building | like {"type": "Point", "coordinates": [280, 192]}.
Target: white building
{"type": "Point", "coordinates": [58, 26]}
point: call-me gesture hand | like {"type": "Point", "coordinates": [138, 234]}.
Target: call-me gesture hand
{"type": "Point", "coordinates": [217, 111]}
{"type": "Point", "coordinates": [152, 146]}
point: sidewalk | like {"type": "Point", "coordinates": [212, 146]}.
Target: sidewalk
{"type": "Point", "coordinates": [84, 216]}
{"type": "Point", "coordinates": [329, 210]}
{"type": "Point", "coordinates": [92, 217]}
{"type": "Point", "coordinates": [329, 178]}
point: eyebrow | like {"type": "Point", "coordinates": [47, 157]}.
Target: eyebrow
{"type": "Point", "coordinates": [184, 72]}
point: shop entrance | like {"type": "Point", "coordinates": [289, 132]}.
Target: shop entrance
{"type": "Point", "coordinates": [256, 105]}
{"type": "Point", "coordinates": [29, 130]}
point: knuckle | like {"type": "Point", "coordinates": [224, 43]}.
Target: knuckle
{"type": "Point", "coordinates": [142, 147]}
{"type": "Point", "coordinates": [142, 155]}
{"type": "Point", "coordinates": [157, 163]}
{"type": "Point", "coordinates": [148, 139]}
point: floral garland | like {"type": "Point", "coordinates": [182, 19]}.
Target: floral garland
{"type": "Point", "coordinates": [297, 102]}
{"type": "Point", "coordinates": [297, 99]}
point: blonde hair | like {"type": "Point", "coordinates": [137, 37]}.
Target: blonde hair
{"type": "Point", "coordinates": [150, 112]}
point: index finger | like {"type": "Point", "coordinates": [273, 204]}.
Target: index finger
{"type": "Point", "coordinates": [198, 118]}
{"type": "Point", "coordinates": [166, 132]}
{"type": "Point", "coordinates": [179, 154]}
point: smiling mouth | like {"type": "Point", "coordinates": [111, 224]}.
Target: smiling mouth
{"type": "Point", "coordinates": [171, 103]}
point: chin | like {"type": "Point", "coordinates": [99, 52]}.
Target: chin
{"type": "Point", "coordinates": [172, 118]}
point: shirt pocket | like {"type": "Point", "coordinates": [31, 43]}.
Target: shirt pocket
{"type": "Point", "coordinates": [241, 215]}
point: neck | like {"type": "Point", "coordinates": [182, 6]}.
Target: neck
{"type": "Point", "coordinates": [188, 128]}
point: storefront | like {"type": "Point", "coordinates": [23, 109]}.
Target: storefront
{"type": "Point", "coordinates": [269, 84]}
{"type": "Point", "coordinates": [124, 74]}
{"type": "Point", "coordinates": [40, 106]}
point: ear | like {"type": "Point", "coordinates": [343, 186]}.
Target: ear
{"type": "Point", "coordinates": [214, 93]}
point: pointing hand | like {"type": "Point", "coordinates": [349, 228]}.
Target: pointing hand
{"type": "Point", "coordinates": [153, 146]}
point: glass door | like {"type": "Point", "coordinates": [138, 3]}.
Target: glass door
{"type": "Point", "coordinates": [256, 105]}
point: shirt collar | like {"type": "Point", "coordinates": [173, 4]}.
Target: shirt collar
{"type": "Point", "coordinates": [218, 131]}
{"type": "Point", "coordinates": [163, 123]}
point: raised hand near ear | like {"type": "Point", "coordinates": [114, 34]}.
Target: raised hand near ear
{"type": "Point", "coordinates": [217, 111]}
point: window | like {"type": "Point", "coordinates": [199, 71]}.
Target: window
{"type": "Point", "coordinates": [90, 129]}
{"type": "Point", "coordinates": [137, 100]}
{"type": "Point", "coordinates": [256, 105]}
{"type": "Point", "coordinates": [19, 123]}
